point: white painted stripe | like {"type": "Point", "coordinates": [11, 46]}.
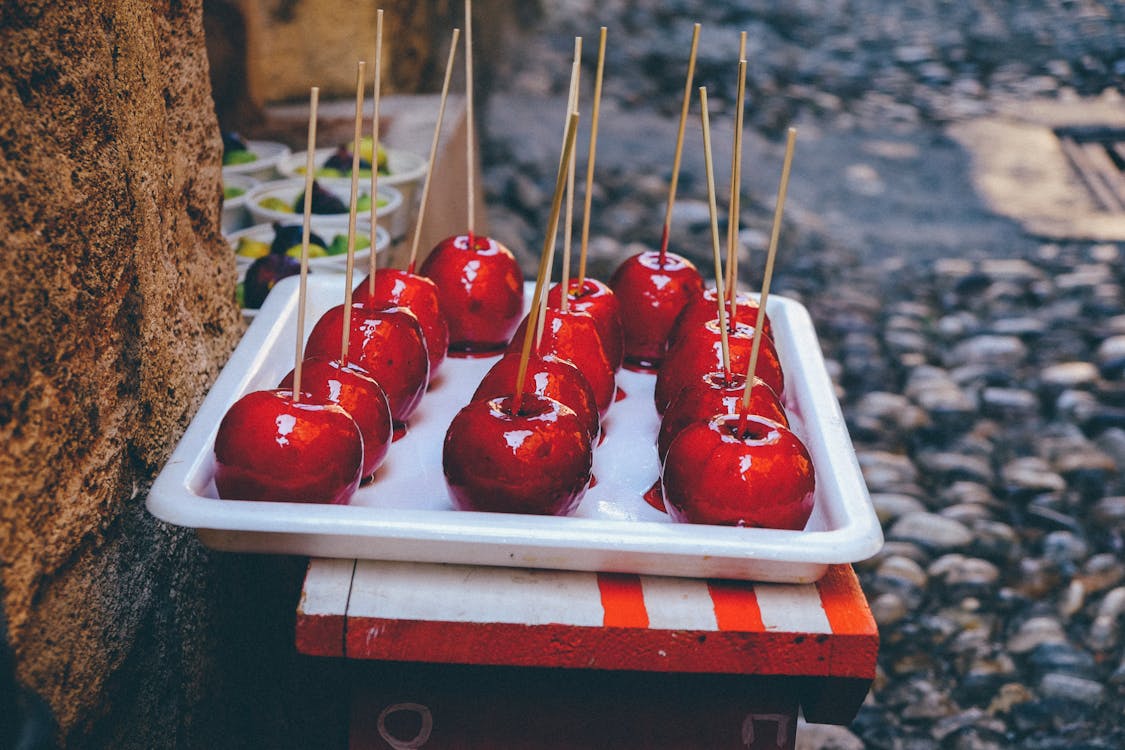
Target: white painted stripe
{"type": "Point", "coordinates": [327, 585]}
{"type": "Point", "coordinates": [478, 594]}
{"type": "Point", "coordinates": [678, 603]}
{"type": "Point", "coordinates": [792, 608]}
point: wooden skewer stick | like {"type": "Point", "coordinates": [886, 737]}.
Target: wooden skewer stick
{"type": "Point", "coordinates": [588, 197]}
{"type": "Point", "coordinates": [735, 199]}
{"type": "Point", "coordinates": [470, 152]}
{"type": "Point", "coordinates": [679, 145]}
{"type": "Point", "coordinates": [376, 95]}
{"type": "Point", "coordinates": [715, 231]}
{"type": "Point", "coordinates": [349, 269]}
{"type": "Point", "coordinates": [544, 260]}
{"type": "Point", "coordinates": [433, 153]}
{"type": "Point", "coordinates": [310, 165]}
{"type": "Point", "coordinates": [760, 321]}
{"type": "Point", "coordinates": [572, 106]}
{"type": "Point", "coordinates": [736, 179]}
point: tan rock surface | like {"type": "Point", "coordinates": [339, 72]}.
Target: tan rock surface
{"type": "Point", "coordinates": [117, 310]}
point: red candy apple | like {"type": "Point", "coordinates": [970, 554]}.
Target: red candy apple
{"type": "Point", "coordinates": [419, 295]}
{"type": "Point", "coordinates": [651, 295]}
{"type": "Point", "coordinates": [546, 376]}
{"type": "Point", "coordinates": [535, 460]}
{"type": "Point", "coordinates": [711, 395]}
{"type": "Point", "coordinates": [759, 476]}
{"type": "Point", "coordinates": [270, 448]}
{"type": "Point", "coordinates": [697, 354]}
{"type": "Point", "coordinates": [387, 343]}
{"type": "Point", "coordinates": [481, 289]}
{"type": "Point", "coordinates": [327, 381]}
{"type": "Point", "coordinates": [597, 299]}
{"type": "Point", "coordinates": [573, 336]}
{"type": "Point", "coordinates": [705, 307]}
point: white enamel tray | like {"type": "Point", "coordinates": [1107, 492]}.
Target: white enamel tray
{"type": "Point", "coordinates": [406, 515]}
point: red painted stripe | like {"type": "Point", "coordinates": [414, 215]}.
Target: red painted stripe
{"type": "Point", "coordinates": [623, 600]}
{"type": "Point", "coordinates": [844, 602]}
{"type": "Point", "coordinates": [736, 606]}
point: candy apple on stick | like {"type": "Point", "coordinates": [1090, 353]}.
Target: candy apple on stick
{"type": "Point", "coordinates": [702, 350]}
{"type": "Point", "coordinates": [330, 380]}
{"type": "Point", "coordinates": [479, 280]}
{"type": "Point", "coordinates": [277, 446]}
{"type": "Point", "coordinates": [348, 386]}
{"type": "Point", "coordinates": [573, 336]}
{"type": "Point", "coordinates": [715, 392]}
{"type": "Point", "coordinates": [393, 287]}
{"type": "Point", "coordinates": [567, 332]}
{"type": "Point", "coordinates": [701, 353]}
{"type": "Point", "coordinates": [655, 286]}
{"type": "Point", "coordinates": [548, 376]}
{"type": "Point", "coordinates": [738, 469]}
{"type": "Point", "coordinates": [387, 342]}
{"type": "Point", "coordinates": [520, 453]}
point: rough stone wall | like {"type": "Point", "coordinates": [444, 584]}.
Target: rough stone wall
{"type": "Point", "coordinates": [116, 312]}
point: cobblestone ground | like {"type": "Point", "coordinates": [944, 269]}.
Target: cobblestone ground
{"type": "Point", "coordinates": [981, 370]}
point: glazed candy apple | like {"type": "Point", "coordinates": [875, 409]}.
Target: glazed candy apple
{"type": "Point", "coordinates": [599, 301]}
{"type": "Point", "coordinates": [534, 460]}
{"type": "Point", "coordinates": [700, 353]}
{"type": "Point", "coordinates": [481, 291]}
{"type": "Point", "coordinates": [704, 308]}
{"type": "Point", "coordinates": [573, 336]}
{"type": "Point", "coordinates": [419, 295]}
{"type": "Point", "coordinates": [270, 448]}
{"type": "Point", "coordinates": [758, 476]}
{"type": "Point", "coordinates": [652, 294]}
{"type": "Point", "coordinates": [326, 381]}
{"type": "Point", "coordinates": [546, 376]}
{"type": "Point", "coordinates": [713, 394]}
{"type": "Point", "coordinates": [386, 343]}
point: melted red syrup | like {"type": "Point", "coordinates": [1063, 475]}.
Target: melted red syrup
{"type": "Point", "coordinates": [399, 431]}
{"type": "Point", "coordinates": [592, 483]}
{"type": "Point", "coordinates": [642, 365]}
{"type": "Point", "coordinates": [620, 395]}
{"type": "Point", "coordinates": [475, 354]}
{"type": "Point", "coordinates": [601, 438]}
{"type": "Point", "coordinates": [654, 496]}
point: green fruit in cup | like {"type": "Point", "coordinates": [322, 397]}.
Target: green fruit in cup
{"type": "Point", "coordinates": [315, 251]}
{"type": "Point", "coordinates": [250, 248]}
{"type": "Point", "coordinates": [238, 157]}
{"type": "Point", "coordinates": [364, 203]}
{"type": "Point", "coordinates": [229, 193]}
{"type": "Point", "coordinates": [273, 203]}
{"type": "Point", "coordinates": [339, 244]}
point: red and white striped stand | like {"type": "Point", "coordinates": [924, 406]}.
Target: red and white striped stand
{"type": "Point", "coordinates": [483, 657]}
